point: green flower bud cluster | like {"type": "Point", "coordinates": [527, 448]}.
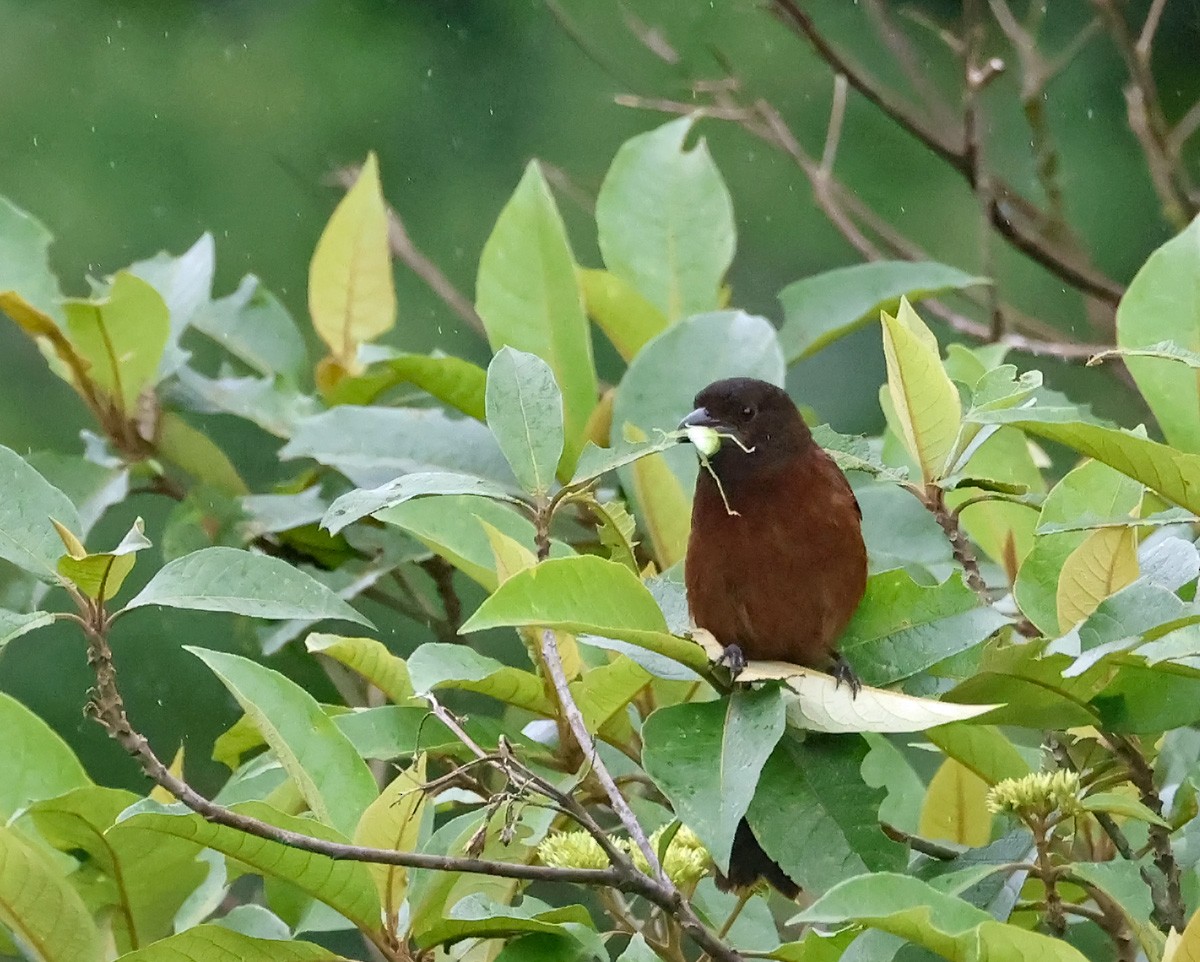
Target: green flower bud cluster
{"type": "Point", "coordinates": [1039, 794]}
{"type": "Point", "coordinates": [686, 861]}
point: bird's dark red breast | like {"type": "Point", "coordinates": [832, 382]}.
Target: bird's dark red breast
{"type": "Point", "coordinates": [776, 562]}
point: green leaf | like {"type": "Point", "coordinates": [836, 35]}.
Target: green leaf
{"type": "Point", "coordinates": [93, 488]}
{"type": "Point", "coordinates": [605, 690]}
{"type": "Point", "coordinates": [901, 628]}
{"type": "Point", "coordinates": [816, 817]}
{"type": "Point", "coordinates": [1171, 473]}
{"type": "Point", "coordinates": [529, 299]}
{"type": "Point", "coordinates": [854, 454]}
{"type": "Point", "coordinates": [819, 309]}
{"type": "Point", "coordinates": [372, 446]}
{"type": "Point", "coordinates": [627, 319]}
{"type": "Point", "coordinates": [351, 291]}
{"type": "Point", "coordinates": [1092, 488]}
{"type": "Point", "coordinates": [665, 221]}
{"type": "Point", "coordinates": [185, 283]}
{"type": "Point", "coordinates": [595, 462]}
{"type": "Point", "coordinates": [41, 908]}
{"type": "Point", "coordinates": [352, 506]}
{"type": "Point", "coordinates": [666, 508]}
{"type": "Point", "coordinates": [38, 764]}
{"type": "Point", "coordinates": [122, 336]}
{"type": "Point", "coordinates": [981, 748]}
{"type": "Point", "coordinates": [14, 624]}
{"type": "Point", "coordinates": [926, 402]}
{"type": "Point", "coordinates": [25, 260]}
{"type": "Point", "coordinates": [437, 665]}
{"type": "Point", "coordinates": [206, 943]}
{"type": "Point", "coordinates": [254, 326]}
{"type": "Point", "coordinates": [334, 781]}
{"type": "Point", "coordinates": [101, 575]}
{"type": "Point", "coordinates": [1114, 803]}
{"type": "Point", "coordinates": [451, 526]}
{"type": "Point", "coordinates": [227, 579]}
{"type": "Point", "coordinates": [271, 403]}
{"type": "Point", "coordinates": [146, 878]}
{"type": "Point", "coordinates": [451, 380]}
{"type": "Point", "coordinates": [1093, 522]}
{"type": "Point", "coordinates": [369, 658]}
{"type": "Point", "coordinates": [955, 808]}
{"type": "Point", "coordinates": [344, 886]}
{"type": "Point", "coordinates": [584, 594]}
{"type": "Point", "coordinates": [477, 916]}
{"type": "Point", "coordinates": [1162, 304]}
{"type": "Point", "coordinates": [393, 821]}
{"type": "Point", "coordinates": [525, 414]}
{"type": "Point", "coordinates": [707, 757]}
{"type": "Point", "coordinates": [916, 911]}
{"type": "Point", "coordinates": [27, 537]}
{"type": "Point", "coordinates": [196, 453]}
{"type": "Point", "coordinates": [660, 385]}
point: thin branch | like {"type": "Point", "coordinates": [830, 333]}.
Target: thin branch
{"type": "Point", "coordinates": [416, 261]}
{"type": "Point", "coordinates": [833, 134]}
{"type": "Point", "coordinates": [897, 41]}
{"type": "Point", "coordinates": [926, 846]}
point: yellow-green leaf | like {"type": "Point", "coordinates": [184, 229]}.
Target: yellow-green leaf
{"type": "Point", "coordinates": [393, 821]}
{"type": "Point", "coordinates": [65, 361]}
{"type": "Point", "coordinates": [369, 658]}
{"type": "Point", "coordinates": [955, 806]}
{"type": "Point", "coordinates": [197, 454]}
{"type": "Point", "coordinates": [351, 291]}
{"type": "Point", "coordinates": [122, 336]}
{"type": "Point", "coordinates": [1104, 563]}
{"type": "Point", "coordinates": [1184, 946]}
{"type": "Point", "coordinates": [160, 794]}
{"type": "Point", "coordinates": [926, 401]}
{"type": "Point", "coordinates": [666, 508]}
{"type": "Point", "coordinates": [627, 319]}
{"type": "Point", "coordinates": [100, 575]}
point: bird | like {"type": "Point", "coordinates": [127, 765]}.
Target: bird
{"type": "Point", "coordinates": [776, 564]}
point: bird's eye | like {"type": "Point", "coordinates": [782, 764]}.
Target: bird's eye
{"type": "Point", "coordinates": [748, 412]}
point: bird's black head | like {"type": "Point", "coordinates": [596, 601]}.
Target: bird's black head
{"type": "Point", "coordinates": [757, 427]}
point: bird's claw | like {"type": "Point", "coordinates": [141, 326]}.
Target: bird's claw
{"type": "Point", "coordinates": [734, 659]}
{"type": "Point", "coordinates": [842, 672]}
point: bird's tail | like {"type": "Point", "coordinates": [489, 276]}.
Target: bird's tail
{"type": "Point", "coordinates": [748, 863]}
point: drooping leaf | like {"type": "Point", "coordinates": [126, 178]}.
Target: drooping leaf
{"type": "Point", "coordinates": [369, 658]}
{"type": "Point", "coordinates": [436, 665]}
{"type": "Point", "coordinates": [816, 817]}
{"type": "Point", "coordinates": [27, 537]}
{"type": "Point", "coordinates": [525, 414]}
{"type": "Point", "coordinates": [101, 575]}
{"type": "Point", "coordinates": [25, 261]}
{"type": "Point", "coordinates": [335, 782]}
{"type": "Point", "coordinates": [919, 913]}
{"type": "Point", "coordinates": [1162, 304]}
{"type": "Point", "coordinates": [228, 579]}
{"type": "Point", "coordinates": [529, 299]}
{"type": "Point", "coordinates": [706, 758]}
{"type": "Point", "coordinates": [344, 886]}
{"type": "Point", "coordinates": [254, 326]}
{"type": "Point", "coordinates": [204, 943]}
{"type": "Point", "coordinates": [665, 221]}
{"type": "Point", "coordinates": [122, 336]}
{"type": "Point", "coordinates": [352, 506]}
{"type": "Point", "coordinates": [627, 319]}
{"type": "Point", "coordinates": [955, 808]}
{"type": "Point", "coordinates": [393, 821]}
{"type": "Point", "coordinates": [451, 380]}
{"type": "Point", "coordinates": [666, 510]}
{"type": "Point", "coordinates": [38, 764]}
{"type": "Point", "coordinates": [980, 748]}
{"type": "Point", "coordinates": [372, 446]}
{"type": "Point", "coordinates": [40, 907]}
{"type": "Point", "coordinates": [1115, 803]}
{"type": "Point", "coordinates": [819, 309]}
{"type": "Point", "coordinates": [584, 594]}
{"type": "Point", "coordinates": [926, 403]}
{"type": "Point", "coordinates": [351, 291]}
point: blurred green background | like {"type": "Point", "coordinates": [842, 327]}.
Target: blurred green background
{"type": "Point", "coordinates": [130, 127]}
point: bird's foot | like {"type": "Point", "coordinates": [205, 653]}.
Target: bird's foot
{"type": "Point", "coordinates": [734, 658]}
{"type": "Point", "coordinates": [844, 673]}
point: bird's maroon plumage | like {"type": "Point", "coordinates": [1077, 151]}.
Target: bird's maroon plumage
{"type": "Point", "coordinates": [776, 563]}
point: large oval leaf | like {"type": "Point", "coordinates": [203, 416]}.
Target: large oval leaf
{"type": "Point", "coordinates": [335, 782]}
{"type": "Point", "coordinates": [529, 298]}
{"type": "Point", "coordinates": [27, 536]}
{"type": "Point", "coordinates": [38, 764]}
{"type": "Point", "coordinates": [25, 260]}
{"type": "Point", "coordinates": [665, 220]}
{"type": "Point", "coordinates": [204, 943]}
{"type": "Point", "coordinates": [228, 579]}
{"type": "Point", "coordinates": [525, 413]}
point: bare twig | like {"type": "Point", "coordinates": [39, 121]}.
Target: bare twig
{"type": "Point", "coordinates": [934, 500]}
{"type": "Point", "coordinates": [416, 261]}
{"type": "Point", "coordinates": [833, 134]}
{"type": "Point", "coordinates": [897, 41]}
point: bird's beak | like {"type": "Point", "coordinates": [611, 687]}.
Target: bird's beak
{"type": "Point", "coordinates": [704, 431]}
